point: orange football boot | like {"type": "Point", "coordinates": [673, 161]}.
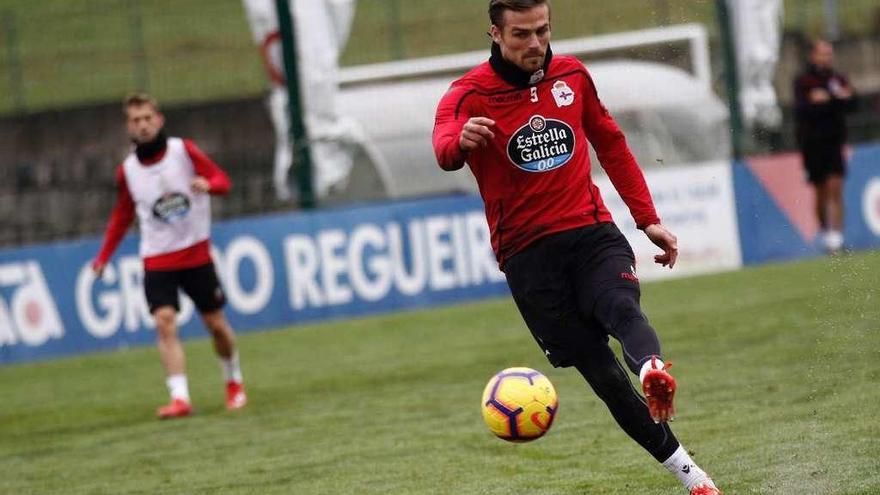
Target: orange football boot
{"type": "Point", "coordinates": [178, 408]}
{"type": "Point", "coordinates": [705, 490]}
{"type": "Point", "coordinates": [659, 389]}
{"type": "Point", "coordinates": [235, 396]}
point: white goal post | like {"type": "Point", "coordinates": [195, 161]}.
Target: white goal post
{"type": "Point", "coordinates": [694, 35]}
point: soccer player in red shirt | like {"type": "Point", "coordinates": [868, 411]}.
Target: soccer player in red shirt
{"type": "Point", "coordinates": [522, 122]}
{"type": "Point", "coordinates": [166, 182]}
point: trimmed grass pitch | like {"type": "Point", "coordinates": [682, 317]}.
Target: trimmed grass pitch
{"type": "Point", "coordinates": [777, 367]}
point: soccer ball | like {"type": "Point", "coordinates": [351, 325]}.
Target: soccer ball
{"type": "Point", "coordinates": [519, 404]}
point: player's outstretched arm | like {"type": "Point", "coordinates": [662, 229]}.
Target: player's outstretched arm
{"type": "Point", "coordinates": [120, 219]}
{"type": "Point", "coordinates": [665, 240]}
{"type": "Point", "coordinates": [616, 158]}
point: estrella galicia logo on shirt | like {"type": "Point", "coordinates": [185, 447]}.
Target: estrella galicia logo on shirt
{"type": "Point", "coordinates": [541, 145]}
{"type": "Point", "coordinates": [171, 207]}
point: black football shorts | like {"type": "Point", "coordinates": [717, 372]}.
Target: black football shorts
{"type": "Point", "coordinates": [823, 158]}
{"type": "Point", "coordinates": [199, 283]}
{"type": "Point", "coordinates": [557, 280]}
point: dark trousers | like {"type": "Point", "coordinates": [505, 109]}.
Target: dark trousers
{"type": "Point", "coordinates": [574, 289]}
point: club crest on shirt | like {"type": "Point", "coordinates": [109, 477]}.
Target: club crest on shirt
{"type": "Point", "coordinates": [541, 145]}
{"type": "Point", "coordinates": [171, 207]}
{"type": "Point", "coordinates": [563, 95]}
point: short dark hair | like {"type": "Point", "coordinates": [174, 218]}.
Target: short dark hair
{"type": "Point", "coordinates": [498, 7]}
{"type": "Point", "coordinates": [137, 99]}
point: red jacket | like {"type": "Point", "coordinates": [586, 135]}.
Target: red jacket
{"type": "Point", "coordinates": [534, 176]}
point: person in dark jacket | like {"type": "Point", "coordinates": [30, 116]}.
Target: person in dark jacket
{"type": "Point", "coordinates": [823, 97]}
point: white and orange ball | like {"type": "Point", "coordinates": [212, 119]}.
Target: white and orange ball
{"type": "Point", "coordinates": [519, 404]}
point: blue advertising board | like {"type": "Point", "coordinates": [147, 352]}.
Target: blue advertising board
{"type": "Point", "coordinates": [276, 270]}
{"type": "Point", "coordinates": [775, 206]}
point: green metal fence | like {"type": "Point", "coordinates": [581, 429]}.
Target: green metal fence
{"type": "Point", "coordinates": [62, 53]}
{"type": "Point", "coordinates": [58, 53]}
{"type": "Point", "coordinates": [388, 29]}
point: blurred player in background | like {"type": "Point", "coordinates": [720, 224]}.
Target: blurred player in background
{"type": "Point", "coordinates": [522, 121]}
{"type": "Point", "coordinates": [823, 96]}
{"type": "Point", "coordinates": [165, 182]}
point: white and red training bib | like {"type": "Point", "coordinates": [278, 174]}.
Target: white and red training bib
{"type": "Point", "coordinates": [172, 217]}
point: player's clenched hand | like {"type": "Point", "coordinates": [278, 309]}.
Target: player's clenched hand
{"type": "Point", "coordinates": [476, 133]}
{"type": "Point", "coordinates": [666, 241]}
{"type": "Point", "coordinates": [844, 93]}
{"type": "Point", "coordinates": [819, 95]}
{"type": "Point", "coordinates": [200, 185]}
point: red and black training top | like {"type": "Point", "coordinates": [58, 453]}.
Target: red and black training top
{"type": "Point", "coordinates": [534, 176]}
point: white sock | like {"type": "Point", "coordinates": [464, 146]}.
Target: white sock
{"type": "Point", "coordinates": [647, 366]}
{"type": "Point", "coordinates": [231, 368]}
{"type": "Point", "coordinates": [686, 470]}
{"type": "Point", "coordinates": [178, 387]}
{"type": "Point", "coordinates": [833, 240]}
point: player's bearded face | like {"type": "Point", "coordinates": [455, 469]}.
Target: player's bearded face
{"type": "Point", "coordinates": [143, 123]}
{"type": "Point", "coordinates": [524, 37]}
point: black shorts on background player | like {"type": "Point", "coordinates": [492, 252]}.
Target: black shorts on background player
{"type": "Point", "coordinates": [823, 158]}
{"type": "Point", "coordinates": [199, 283]}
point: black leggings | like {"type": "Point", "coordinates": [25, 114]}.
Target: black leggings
{"type": "Point", "coordinates": [611, 383]}
{"type": "Point", "coordinates": [619, 313]}
{"type": "Point", "coordinates": [574, 290]}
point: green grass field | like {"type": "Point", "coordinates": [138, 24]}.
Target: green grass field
{"type": "Point", "coordinates": [777, 367]}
